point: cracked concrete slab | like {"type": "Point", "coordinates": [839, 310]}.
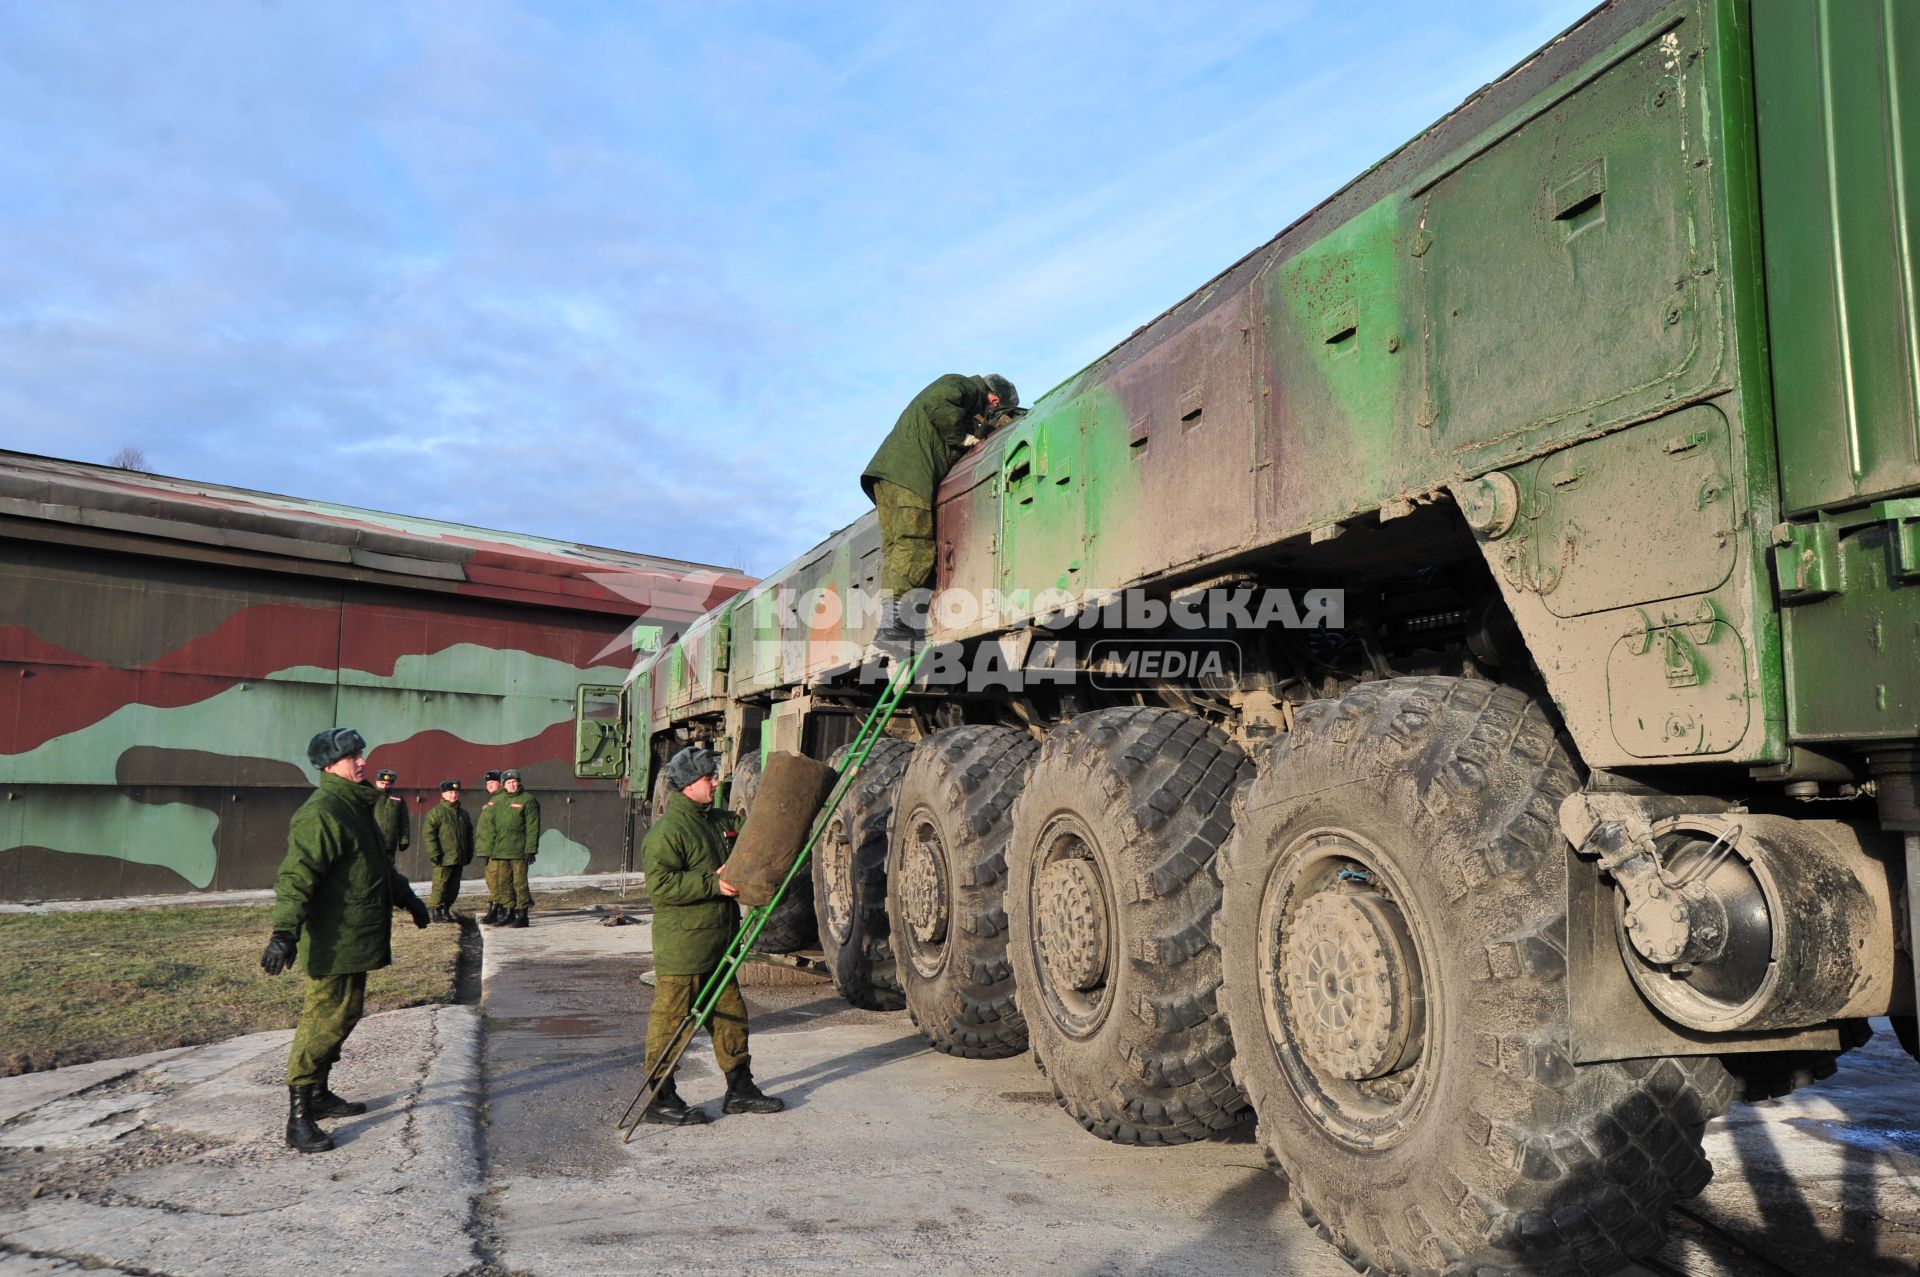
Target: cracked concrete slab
{"type": "Point", "coordinates": [29, 1091]}
{"type": "Point", "coordinates": [203, 1063]}
{"type": "Point", "coordinates": [78, 1121]}
{"type": "Point", "coordinates": [13, 1265]}
{"type": "Point", "coordinates": [201, 1183]}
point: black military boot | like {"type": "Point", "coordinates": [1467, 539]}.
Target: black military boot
{"type": "Point", "coordinates": [492, 917]}
{"type": "Point", "coordinates": [301, 1132]}
{"type": "Point", "coordinates": [744, 1097]}
{"type": "Point", "coordinates": [668, 1109]}
{"type": "Point", "coordinates": [327, 1104]}
{"type": "Point", "coordinates": [519, 918]}
{"type": "Point", "coordinates": [892, 638]}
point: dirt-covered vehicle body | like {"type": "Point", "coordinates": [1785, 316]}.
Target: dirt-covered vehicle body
{"type": "Point", "coordinates": [1569, 791]}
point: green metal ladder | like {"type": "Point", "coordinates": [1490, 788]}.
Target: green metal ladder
{"type": "Point", "coordinates": [697, 1016]}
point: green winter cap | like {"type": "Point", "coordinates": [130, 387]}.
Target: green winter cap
{"type": "Point", "coordinates": [1009, 397]}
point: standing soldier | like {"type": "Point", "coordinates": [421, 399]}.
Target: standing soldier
{"type": "Point", "coordinates": [483, 847]}
{"type": "Point", "coordinates": [448, 833]}
{"type": "Point", "coordinates": [694, 918]}
{"type": "Point", "coordinates": [514, 831]}
{"type": "Point", "coordinates": [905, 473]}
{"type": "Point", "coordinates": [333, 901]}
{"type": "Point", "coordinates": [390, 813]}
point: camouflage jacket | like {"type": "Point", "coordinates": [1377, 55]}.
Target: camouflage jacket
{"type": "Point", "coordinates": [396, 830]}
{"type": "Point", "coordinates": [337, 888]}
{"type": "Point", "coordinates": [510, 826]}
{"type": "Point", "coordinates": [483, 828]}
{"type": "Point", "coordinates": [692, 922]}
{"type": "Point", "coordinates": [448, 833]}
{"type": "Point", "coordinates": [931, 431]}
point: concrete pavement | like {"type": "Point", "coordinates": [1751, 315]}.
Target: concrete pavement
{"type": "Point", "coordinates": [891, 1157]}
{"type": "Point", "coordinates": [172, 1163]}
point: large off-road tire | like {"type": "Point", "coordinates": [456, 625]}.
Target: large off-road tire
{"type": "Point", "coordinates": [850, 882]}
{"type": "Point", "coordinates": [791, 924]}
{"type": "Point", "coordinates": [1110, 904]}
{"type": "Point", "coordinates": [946, 888]}
{"type": "Point", "coordinates": [1393, 929]}
{"type": "Point", "coordinates": [745, 783]}
{"type": "Point", "coordinates": [662, 791]}
{"type": "Point", "coordinates": [1768, 1075]}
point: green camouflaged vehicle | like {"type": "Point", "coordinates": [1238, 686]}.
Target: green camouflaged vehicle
{"type": "Point", "coordinates": [1566, 794]}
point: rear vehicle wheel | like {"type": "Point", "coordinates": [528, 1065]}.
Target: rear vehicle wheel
{"type": "Point", "coordinates": [946, 888]}
{"type": "Point", "coordinates": [1110, 901]}
{"type": "Point", "coordinates": [791, 924]}
{"type": "Point", "coordinates": [850, 881]}
{"type": "Point", "coordinates": [661, 793]}
{"type": "Point", "coordinates": [1768, 1075]}
{"type": "Point", "coordinates": [1393, 933]}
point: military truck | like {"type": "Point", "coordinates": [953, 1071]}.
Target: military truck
{"type": "Point", "coordinates": [1587, 806]}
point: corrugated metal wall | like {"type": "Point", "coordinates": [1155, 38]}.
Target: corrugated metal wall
{"type": "Point", "coordinates": [154, 714]}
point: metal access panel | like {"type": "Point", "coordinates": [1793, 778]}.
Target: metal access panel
{"type": "Point", "coordinates": [1571, 272]}
{"type": "Point", "coordinates": [1042, 504]}
{"type": "Point", "coordinates": [965, 542]}
{"type": "Point", "coordinates": [1837, 90]}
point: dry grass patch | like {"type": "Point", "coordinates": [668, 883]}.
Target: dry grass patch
{"type": "Point", "coordinates": [94, 986]}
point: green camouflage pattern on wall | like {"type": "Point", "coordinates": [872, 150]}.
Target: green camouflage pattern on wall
{"type": "Point", "coordinates": [155, 708]}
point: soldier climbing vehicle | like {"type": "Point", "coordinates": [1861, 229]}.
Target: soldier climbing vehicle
{"type": "Point", "coordinates": [1581, 432]}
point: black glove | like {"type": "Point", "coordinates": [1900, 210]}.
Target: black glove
{"type": "Point", "coordinates": [418, 908]}
{"type": "Point", "coordinates": [278, 955]}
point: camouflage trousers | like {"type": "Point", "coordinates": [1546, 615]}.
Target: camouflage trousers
{"type": "Point", "coordinates": [673, 997]}
{"type": "Point", "coordinates": [331, 1010]}
{"type": "Point", "coordinates": [906, 538]}
{"type": "Point", "coordinates": [512, 891]}
{"type": "Point", "coordinates": [446, 886]}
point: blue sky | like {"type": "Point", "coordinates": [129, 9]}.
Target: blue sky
{"type": "Point", "coordinates": [655, 276]}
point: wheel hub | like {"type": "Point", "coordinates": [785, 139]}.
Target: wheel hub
{"type": "Point", "coordinates": [926, 887]}
{"type": "Point", "coordinates": [1350, 984]}
{"type": "Point", "coordinates": [1072, 925]}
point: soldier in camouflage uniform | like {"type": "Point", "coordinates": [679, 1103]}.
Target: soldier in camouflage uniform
{"type": "Point", "coordinates": [333, 902]}
{"type": "Point", "coordinates": [510, 834]}
{"type": "Point", "coordinates": [905, 473]}
{"type": "Point", "coordinates": [448, 833]}
{"type": "Point", "coordinates": [390, 813]}
{"type": "Point", "coordinates": [482, 847]}
{"type": "Point", "coordinates": [694, 920]}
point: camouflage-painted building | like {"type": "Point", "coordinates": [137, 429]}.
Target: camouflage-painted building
{"type": "Point", "coordinates": [167, 647]}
